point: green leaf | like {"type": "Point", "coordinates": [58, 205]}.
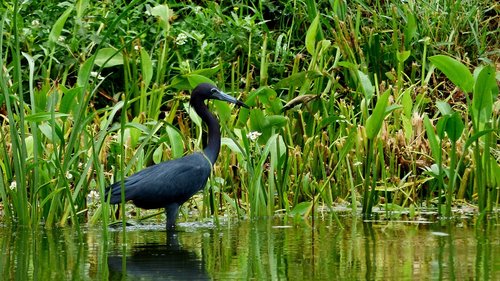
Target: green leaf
{"type": "Point", "coordinates": [374, 122]}
{"type": "Point", "coordinates": [366, 85]}
{"type": "Point", "coordinates": [454, 127]}
{"type": "Point", "coordinates": [189, 81]}
{"type": "Point", "coordinates": [266, 96]}
{"type": "Point", "coordinates": [407, 103]}
{"type": "Point", "coordinates": [431, 136]}
{"type": "Point", "coordinates": [108, 57]}
{"type": "Point", "coordinates": [68, 99]}
{"type": "Point", "coordinates": [407, 127]}
{"type": "Point", "coordinates": [441, 126]}
{"type": "Point", "coordinates": [458, 73]}
{"type": "Point", "coordinates": [301, 208]}
{"type": "Point", "coordinates": [158, 154]}
{"type": "Point", "coordinates": [147, 68]}
{"type": "Point", "coordinates": [411, 27]}
{"type": "Point", "coordinates": [403, 56]}
{"type": "Point", "coordinates": [176, 142]}
{"type": "Point", "coordinates": [84, 71]}
{"type": "Point", "coordinates": [207, 72]}
{"type": "Point", "coordinates": [444, 108]}
{"type": "Point", "coordinates": [312, 31]}
{"type": "Point", "coordinates": [163, 13]}
{"type": "Point", "coordinates": [232, 145]}
{"type": "Point", "coordinates": [44, 116]}
{"type": "Point", "coordinates": [58, 27]}
{"type": "Point", "coordinates": [484, 91]}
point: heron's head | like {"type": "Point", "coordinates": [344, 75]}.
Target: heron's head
{"type": "Point", "coordinates": [208, 91]}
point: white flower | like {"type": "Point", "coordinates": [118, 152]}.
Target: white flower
{"type": "Point", "coordinates": [13, 185]}
{"type": "Point", "coordinates": [93, 195]}
{"type": "Point", "coordinates": [254, 135]}
{"type": "Point", "coordinates": [96, 74]}
{"type": "Point", "coordinates": [35, 23]}
{"type": "Point", "coordinates": [181, 39]}
{"type": "Point", "coordinates": [69, 175]}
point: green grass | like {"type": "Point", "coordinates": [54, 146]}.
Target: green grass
{"type": "Point", "coordinates": [376, 103]}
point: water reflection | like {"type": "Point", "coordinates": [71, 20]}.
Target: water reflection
{"type": "Point", "coordinates": [266, 249]}
{"type": "Point", "coordinates": [169, 261]}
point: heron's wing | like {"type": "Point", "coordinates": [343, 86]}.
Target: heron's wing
{"type": "Point", "coordinates": [164, 183]}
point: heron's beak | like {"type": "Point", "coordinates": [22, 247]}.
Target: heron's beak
{"type": "Point", "coordinates": [220, 95]}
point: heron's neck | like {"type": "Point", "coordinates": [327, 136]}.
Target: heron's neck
{"type": "Point", "coordinates": [212, 148]}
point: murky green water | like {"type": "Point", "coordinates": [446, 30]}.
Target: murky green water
{"type": "Point", "coordinates": [258, 250]}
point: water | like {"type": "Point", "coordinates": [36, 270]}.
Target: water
{"type": "Point", "coordinates": [277, 249]}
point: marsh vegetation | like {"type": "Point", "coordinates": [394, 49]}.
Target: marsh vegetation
{"type": "Point", "coordinates": [369, 105]}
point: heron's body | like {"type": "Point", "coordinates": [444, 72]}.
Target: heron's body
{"type": "Point", "coordinates": [152, 188]}
{"type": "Point", "coordinates": [169, 184]}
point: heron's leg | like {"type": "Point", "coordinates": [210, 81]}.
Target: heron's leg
{"type": "Point", "coordinates": [171, 211]}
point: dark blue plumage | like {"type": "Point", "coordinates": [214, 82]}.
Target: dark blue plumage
{"type": "Point", "coordinates": [169, 184]}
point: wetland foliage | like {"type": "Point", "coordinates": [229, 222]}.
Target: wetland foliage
{"type": "Point", "coordinates": [368, 104]}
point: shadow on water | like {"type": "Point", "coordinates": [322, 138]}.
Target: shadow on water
{"type": "Point", "coordinates": [158, 261]}
{"type": "Point", "coordinates": [264, 249]}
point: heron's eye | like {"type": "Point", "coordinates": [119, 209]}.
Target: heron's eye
{"type": "Point", "coordinates": [213, 90]}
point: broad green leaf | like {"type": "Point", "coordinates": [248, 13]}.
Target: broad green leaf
{"type": "Point", "coordinates": [108, 57]}
{"type": "Point", "coordinates": [58, 27]}
{"type": "Point", "coordinates": [454, 127]}
{"type": "Point", "coordinates": [176, 142]}
{"type": "Point", "coordinates": [232, 145]}
{"type": "Point", "coordinates": [195, 79]}
{"type": "Point", "coordinates": [441, 126]}
{"type": "Point", "coordinates": [68, 99]}
{"type": "Point", "coordinates": [29, 146]}
{"type": "Point", "coordinates": [46, 130]}
{"type": "Point", "coordinates": [495, 172]}
{"type": "Point", "coordinates": [163, 13]}
{"type": "Point", "coordinates": [312, 31]}
{"type": "Point", "coordinates": [223, 110]}
{"type": "Point", "coordinates": [300, 209]}
{"type": "Point", "coordinates": [431, 136]}
{"type": "Point", "coordinates": [411, 26]}
{"type": "Point", "coordinates": [84, 72]}
{"type": "Point", "coordinates": [482, 102]}
{"type": "Point", "coordinates": [407, 103]}
{"type": "Point", "coordinates": [444, 108]}
{"type": "Point", "coordinates": [265, 124]}
{"type": "Point", "coordinates": [374, 122]}
{"type": "Point", "coordinates": [366, 85]}
{"type": "Point", "coordinates": [403, 56]}
{"type": "Point", "coordinates": [277, 121]}
{"type": "Point", "coordinates": [80, 7]}
{"type": "Point", "coordinates": [133, 132]}
{"type": "Point", "coordinates": [192, 114]}
{"type": "Point", "coordinates": [189, 81]}
{"type": "Point", "coordinates": [407, 127]}
{"type": "Point", "coordinates": [458, 73]}
{"type": "Point", "coordinates": [147, 68]}
{"type": "Point", "coordinates": [266, 96]}
{"type": "Point", "coordinates": [158, 154]}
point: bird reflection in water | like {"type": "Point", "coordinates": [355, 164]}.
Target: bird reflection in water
{"type": "Point", "coordinates": [159, 262]}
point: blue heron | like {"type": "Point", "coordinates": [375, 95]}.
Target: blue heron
{"type": "Point", "coordinates": [169, 184]}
